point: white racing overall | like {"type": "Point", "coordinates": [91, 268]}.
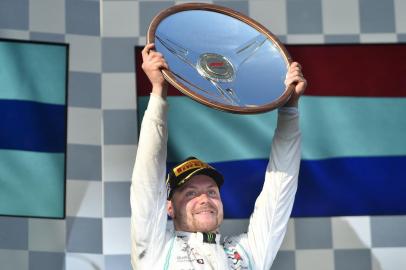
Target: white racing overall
{"type": "Point", "coordinates": [154, 247]}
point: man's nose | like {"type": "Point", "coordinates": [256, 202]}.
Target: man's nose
{"type": "Point", "coordinates": [203, 198]}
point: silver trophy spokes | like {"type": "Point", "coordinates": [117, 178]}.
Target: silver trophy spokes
{"type": "Point", "coordinates": [216, 68]}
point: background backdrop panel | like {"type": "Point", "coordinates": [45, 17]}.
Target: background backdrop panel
{"type": "Point", "coordinates": [33, 109]}
{"type": "Point", "coordinates": [353, 135]}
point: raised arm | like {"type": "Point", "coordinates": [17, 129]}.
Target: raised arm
{"type": "Point", "coordinates": [273, 207]}
{"type": "Point", "coordinates": [148, 192]}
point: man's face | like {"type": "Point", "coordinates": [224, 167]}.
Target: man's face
{"type": "Point", "coordinates": [197, 206]}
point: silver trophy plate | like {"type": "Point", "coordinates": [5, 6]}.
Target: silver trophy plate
{"type": "Point", "coordinates": [221, 58]}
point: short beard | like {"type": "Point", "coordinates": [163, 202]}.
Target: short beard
{"type": "Point", "coordinates": [180, 222]}
{"type": "Point", "coordinates": [205, 227]}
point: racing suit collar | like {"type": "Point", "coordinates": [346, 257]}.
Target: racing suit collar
{"type": "Point", "coordinates": [199, 237]}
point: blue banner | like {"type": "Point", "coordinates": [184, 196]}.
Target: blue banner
{"type": "Point", "coordinates": [33, 128]}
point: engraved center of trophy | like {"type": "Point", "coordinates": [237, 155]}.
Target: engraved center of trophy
{"type": "Point", "coordinates": [215, 67]}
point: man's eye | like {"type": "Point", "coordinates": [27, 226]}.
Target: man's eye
{"type": "Point", "coordinates": [190, 194]}
{"type": "Point", "coordinates": [212, 193]}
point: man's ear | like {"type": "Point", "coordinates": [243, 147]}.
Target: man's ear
{"type": "Point", "coordinates": [169, 209]}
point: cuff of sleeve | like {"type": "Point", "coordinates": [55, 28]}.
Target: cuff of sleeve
{"type": "Point", "coordinates": [157, 107]}
{"type": "Point", "coordinates": [288, 110]}
{"type": "Point", "coordinates": [288, 122]}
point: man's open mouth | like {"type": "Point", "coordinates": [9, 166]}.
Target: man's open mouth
{"type": "Point", "coordinates": [204, 211]}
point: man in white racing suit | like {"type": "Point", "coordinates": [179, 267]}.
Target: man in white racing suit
{"type": "Point", "coordinates": [191, 195]}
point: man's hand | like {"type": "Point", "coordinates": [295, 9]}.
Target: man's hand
{"type": "Point", "coordinates": [152, 64]}
{"type": "Point", "coordinates": [295, 77]}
